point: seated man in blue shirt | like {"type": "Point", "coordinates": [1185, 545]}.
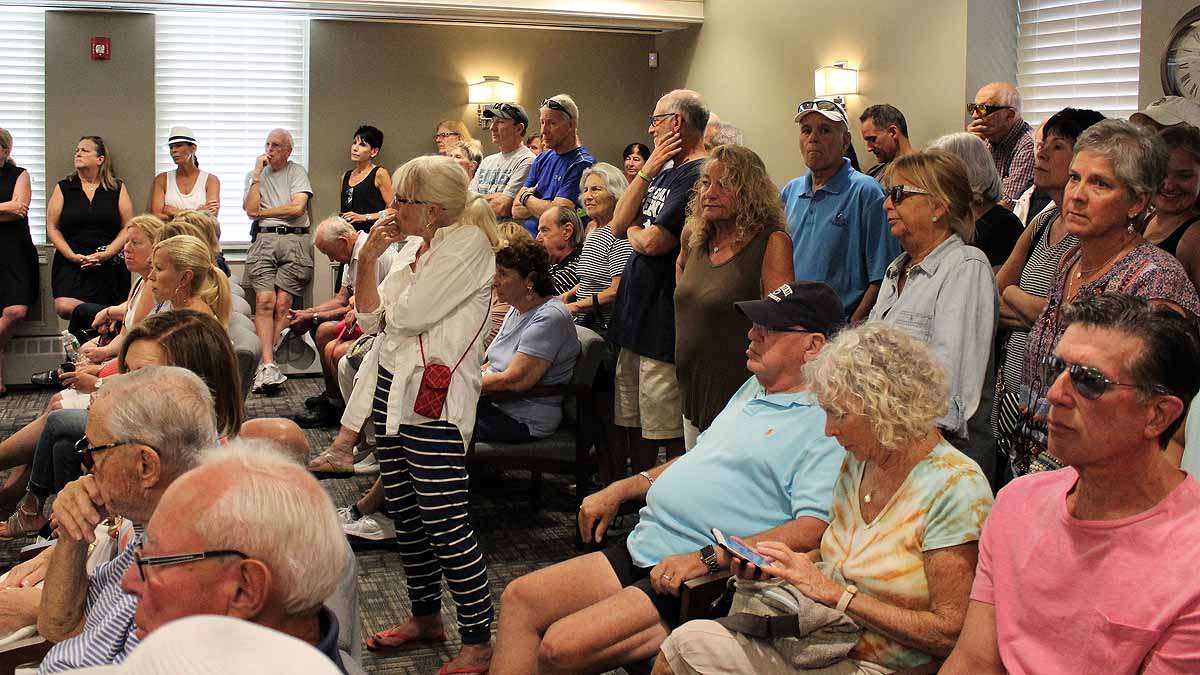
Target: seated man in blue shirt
{"type": "Point", "coordinates": [840, 233]}
{"type": "Point", "coordinates": [554, 176]}
{"type": "Point", "coordinates": [764, 468]}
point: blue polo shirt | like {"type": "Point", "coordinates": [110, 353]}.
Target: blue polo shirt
{"type": "Point", "coordinates": [840, 234]}
{"type": "Point", "coordinates": [764, 461]}
{"type": "Point", "coordinates": [556, 176]}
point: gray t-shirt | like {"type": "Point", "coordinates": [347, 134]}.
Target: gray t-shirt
{"type": "Point", "coordinates": [503, 172]}
{"type": "Point", "coordinates": [548, 333]}
{"type": "Point", "coordinates": [276, 188]}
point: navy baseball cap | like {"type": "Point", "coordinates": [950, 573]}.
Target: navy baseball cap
{"type": "Point", "coordinates": [811, 305]}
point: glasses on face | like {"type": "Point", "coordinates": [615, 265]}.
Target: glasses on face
{"type": "Point", "coordinates": [1089, 382]}
{"type": "Point", "coordinates": [898, 193]}
{"type": "Point", "coordinates": [398, 201]}
{"type": "Point", "coordinates": [654, 119]}
{"type": "Point", "coordinates": [178, 559]}
{"type": "Point", "coordinates": [766, 330]}
{"type": "Point", "coordinates": [443, 135]}
{"type": "Point", "coordinates": [985, 109]}
{"type": "Point", "coordinates": [555, 105]}
{"type": "Point", "coordinates": [87, 453]}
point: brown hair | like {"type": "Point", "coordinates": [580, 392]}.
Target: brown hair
{"type": "Point", "coordinates": [199, 343]}
{"type": "Point", "coordinates": [108, 174]}
{"type": "Point", "coordinates": [945, 177]}
{"type": "Point", "coordinates": [756, 199]}
{"type": "Point", "coordinates": [529, 259]}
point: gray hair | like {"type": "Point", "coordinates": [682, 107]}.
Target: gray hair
{"type": "Point", "coordinates": [690, 107]}
{"type": "Point", "coordinates": [333, 227]}
{"type": "Point", "coordinates": [977, 158]}
{"type": "Point", "coordinates": [1008, 94]}
{"type": "Point", "coordinates": [1139, 157]}
{"type": "Point", "coordinates": [6, 141]}
{"type": "Point", "coordinates": [286, 134]}
{"type": "Point", "coordinates": [167, 408]}
{"type": "Point", "coordinates": [727, 133]}
{"type": "Point", "coordinates": [567, 215]}
{"type": "Point", "coordinates": [273, 510]}
{"type": "Point", "coordinates": [614, 179]}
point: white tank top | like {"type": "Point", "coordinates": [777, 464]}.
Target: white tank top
{"type": "Point", "coordinates": [192, 200]}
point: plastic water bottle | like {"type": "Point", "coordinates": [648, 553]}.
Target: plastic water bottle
{"type": "Point", "coordinates": [70, 345]}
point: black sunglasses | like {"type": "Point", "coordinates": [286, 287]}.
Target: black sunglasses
{"type": "Point", "coordinates": [177, 559]}
{"type": "Point", "coordinates": [87, 452]}
{"type": "Point", "coordinates": [985, 109]}
{"type": "Point", "coordinates": [898, 193]}
{"type": "Point", "coordinates": [1089, 382]}
{"type": "Point", "coordinates": [555, 105]}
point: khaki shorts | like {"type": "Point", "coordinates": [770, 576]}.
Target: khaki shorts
{"type": "Point", "coordinates": [648, 395]}
{"type": "Point", "coordinates": [279, 261]}
{"type": "Point", "coordinates": [707, 648]}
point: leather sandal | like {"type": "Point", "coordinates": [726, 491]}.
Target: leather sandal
{"type": "Point", "coordinates": [21, 523]}
{"type": "Point", "coordinates": [324, 465]}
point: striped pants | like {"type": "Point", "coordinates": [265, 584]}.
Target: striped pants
{"type": "Point", "coordinates": [424, 474]}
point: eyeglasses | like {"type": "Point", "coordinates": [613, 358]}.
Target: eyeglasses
{"type": "Point", "coordinates": [178, 559]}
{"type": "Point", "coordinates": [898, 193]}
{"type": "Point", "coordinates": [445, 134]}
{"type": "Point", "coordinates": [985, 109]}
{"type": "Point", "coordinates": [555, 105]}
{"type": "Point", "coordinates": [822, 105]}
{"type": "Point", "coordinates": [399, 201]}
{"type": "Point", "coordinates": [655, 118]}
{"type": "Point", "coordinates": [765, 329]}
{"type": "Point", "coordinates": [1089, 382]}
{"type": "Point", "coordinates": [87, 452]}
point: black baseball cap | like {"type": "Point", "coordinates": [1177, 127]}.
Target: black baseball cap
{"type": "Point", "coordinates": [811, 305]}
{"type": "Point", "coordinates": [507, 111]}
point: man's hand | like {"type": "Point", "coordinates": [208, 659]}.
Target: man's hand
{"type": "Point", "coordinates": [978, 127]}
{"type": "Point", "coordinates": [84, 383]}
{"type": "Point", "coordinates": [30, 572]}
{"type": "Point", "coordinates": [260, 164]}
{"type": "Point", "coordinates": [668, 575]}
{"type": "Point", "coordinates": [532, 191]}
{"type": "Point", "coordinates": [596, 513]}
{"type": "Point", "coordinates": [299, 318]}
{"type": "Point", "coordinates": [662, 153]}
{"type": "Point", "coordinates": [78, 509]}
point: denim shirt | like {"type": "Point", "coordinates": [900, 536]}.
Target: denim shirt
{"type": "Point", "coordinates": [949, 302]}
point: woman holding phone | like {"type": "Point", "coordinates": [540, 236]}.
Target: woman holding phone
{"type": "Point", "coordinates": [899, 554]}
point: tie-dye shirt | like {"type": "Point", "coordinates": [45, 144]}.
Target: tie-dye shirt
{"type": "Point", "coordinates": [943, 502]}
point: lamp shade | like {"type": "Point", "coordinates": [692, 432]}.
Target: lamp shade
{"type": "Point", "coordinates": [836, 80]}
{"type": "Point", "coordinates": [491, 90]}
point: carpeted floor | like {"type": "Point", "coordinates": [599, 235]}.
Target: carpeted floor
{"type": "Point", "coordinates": [515, 538]}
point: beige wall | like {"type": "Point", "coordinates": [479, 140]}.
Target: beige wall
{"type": "Point", "coordinates": [753, 60]}
{"type": "Point", "coordinates": [113, 99]}
{"type": "Point", "coordinates": [1158, 20]}
{"type": "Point", "coordinates": [417, 74]}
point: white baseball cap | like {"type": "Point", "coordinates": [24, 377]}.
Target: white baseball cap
{"type": "Point", "coordinates": [831, 110]}
{"type": "Point", "coordinates": [1169, 111]}
{"type": "Point", "coordinates": [181, 135]}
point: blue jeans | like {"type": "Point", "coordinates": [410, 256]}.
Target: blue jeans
{"type": "Point", "coordinates": [55, 461]}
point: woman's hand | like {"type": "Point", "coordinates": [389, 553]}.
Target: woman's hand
{"type": "Point", "coordinates": [83, 383]}
{"type": "Point", "coordinates": [93, 353]}
{"type": "Point", "coordinates": [384, 233]}
{"type": "Point", "coordinates": [354, 218]}
{"type": "Point", "coordinates": [801, 572]}
{"type": "Point", "coordinates": [30, 572]}
{"type": "Point", "coordinates": [596, 513]}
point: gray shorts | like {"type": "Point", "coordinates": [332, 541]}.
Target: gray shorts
{"type": "Point", "coordinates": [280, 261]}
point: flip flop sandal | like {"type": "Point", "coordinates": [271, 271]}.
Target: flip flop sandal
{"type": "Point", "coordinates": [21, 524]}
{"type": "Point", "coordinates": [323, 465]}
{"type": "Point", "coordinates": [392, 639]}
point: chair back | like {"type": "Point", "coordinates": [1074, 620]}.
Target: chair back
{"type": "Point", "coordinates": [591, 354]}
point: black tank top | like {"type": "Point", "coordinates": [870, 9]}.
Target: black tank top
{"type": "Point", "coordinates": [1171, 243]}
{"type": "Point", "coordinates": [87, 225]}
{"type": "Point", "coordinates": [363, 198]}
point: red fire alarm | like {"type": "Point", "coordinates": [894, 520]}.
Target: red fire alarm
{"type": "Point", "coordinates": [101, 48]}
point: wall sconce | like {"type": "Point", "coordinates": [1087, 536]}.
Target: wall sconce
{"type": "Point", "coordinates": [490, 90]}
{"type": "Point", "coordinates": [836, 81]}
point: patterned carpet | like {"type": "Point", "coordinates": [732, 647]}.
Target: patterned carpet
{"type": "Point", "coordinates": [516, 539]}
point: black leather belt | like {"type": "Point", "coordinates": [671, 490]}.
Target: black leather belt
{"type": "Point", "coordinates": [280, 229]}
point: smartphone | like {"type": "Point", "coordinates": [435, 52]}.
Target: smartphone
{"type": "Point", "coordinates": [738, 549]}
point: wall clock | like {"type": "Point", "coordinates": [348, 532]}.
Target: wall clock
{"type": "Point", "coordinates": [1181, 60]}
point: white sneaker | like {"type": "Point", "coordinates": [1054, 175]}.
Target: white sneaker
{"type": "Point", "coordinates": [367, 465]}
{"type": "Point", "coordinates": [345, 516]}
{"type": "Point", "coordinates": [268, 379]}
{"type": "Point", "coordinates": [373, 527]}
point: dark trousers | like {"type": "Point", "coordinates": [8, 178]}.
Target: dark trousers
{"type": "Point", "coordinates": [55, 461]}
{"type": "Point", "coordinates": [81, 319]}
{"type": "Point", "coordinates": [493, 424]}
{"type": "Point", "coordinates": [424, 473]}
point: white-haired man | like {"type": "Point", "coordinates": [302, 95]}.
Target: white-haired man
{"type": "Point", "coordinates": [554, 176]}
{"type": "Point", "coordinates": [720, 132]}
{"type": "Point", "coordinates": [279, 263]}
{"type": "Point", "coordinates": [996, 118]}
{"type": "Point", "coordinates": [144, 430]}
{"type": "Point", "coordinates": [249, 534]}
{"type": "Point", "coordinates": [501, 175]}
{"type": "Point", "coordinates": [341, 243]}
{"type": "Point", "coordinates": [651, 214]}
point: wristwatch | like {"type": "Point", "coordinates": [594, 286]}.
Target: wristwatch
{"type": "Point", "coordinates": [709, 555]}
{"type": "Point", "coordinates": [847, 596]}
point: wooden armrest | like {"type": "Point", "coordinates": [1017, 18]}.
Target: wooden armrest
{"type": "Point", "coordinates": [697, 596]}
{"type": "Point", "coordinates": [693, 584]}
{"type": "Point", "coordinates": [532, 392]}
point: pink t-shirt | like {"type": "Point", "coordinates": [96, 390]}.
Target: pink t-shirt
{"type": "Point", "coordinates": [1077, 596]}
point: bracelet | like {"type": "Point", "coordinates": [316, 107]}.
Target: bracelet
{"type": "Point", "coordinates": [525, 199]}
{"type": "Point", "coordinates": [642, 174]}
{"type": "Point", "coordinates": [646, 475]}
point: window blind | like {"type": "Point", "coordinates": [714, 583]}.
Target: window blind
{"type": "Point", "coordinates": [1079, 54]}
{"type": "Point", "coordinates": [231, 78]}
{"type": "Point", "coordinates": [23, 102]}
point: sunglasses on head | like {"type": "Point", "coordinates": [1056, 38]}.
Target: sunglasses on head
{"type": "Point", "coordinates": [898, 193]}
{"type": "Point", "coordinates": [555, 105]}
{"type": "Point", "coordinates": [985, 109]}
{"type": "Point", "coordinates": [1089, 382]}
{"type": "Point", "coordinates": [509, 109]}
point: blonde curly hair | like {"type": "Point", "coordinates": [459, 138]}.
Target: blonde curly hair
{"type": "Point", "coordinates": [881, 372]}
{"type": "Point", "coordinates": [756, 199]}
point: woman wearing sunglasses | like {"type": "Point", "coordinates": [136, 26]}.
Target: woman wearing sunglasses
{"type": "Point", "coordinates": [1115, 173]}
{"type": "Point", "coordinates": [940, 289]}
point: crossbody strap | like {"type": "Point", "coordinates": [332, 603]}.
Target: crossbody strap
{"type": "Point", "coordinates": [486, 315]}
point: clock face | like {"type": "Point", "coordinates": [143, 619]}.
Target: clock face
{"type": "Point", "coordinates": [1181, 62]}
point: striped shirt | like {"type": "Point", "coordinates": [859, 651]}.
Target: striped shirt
{"type": "Point", "coordinates": [108, 631]}
{"type": "Point", "coordinates": [562, 273]}
{"type": "Point", "coordinates": [1014, 156]}
{"type": "Point", "coordinates": [602, 258]}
